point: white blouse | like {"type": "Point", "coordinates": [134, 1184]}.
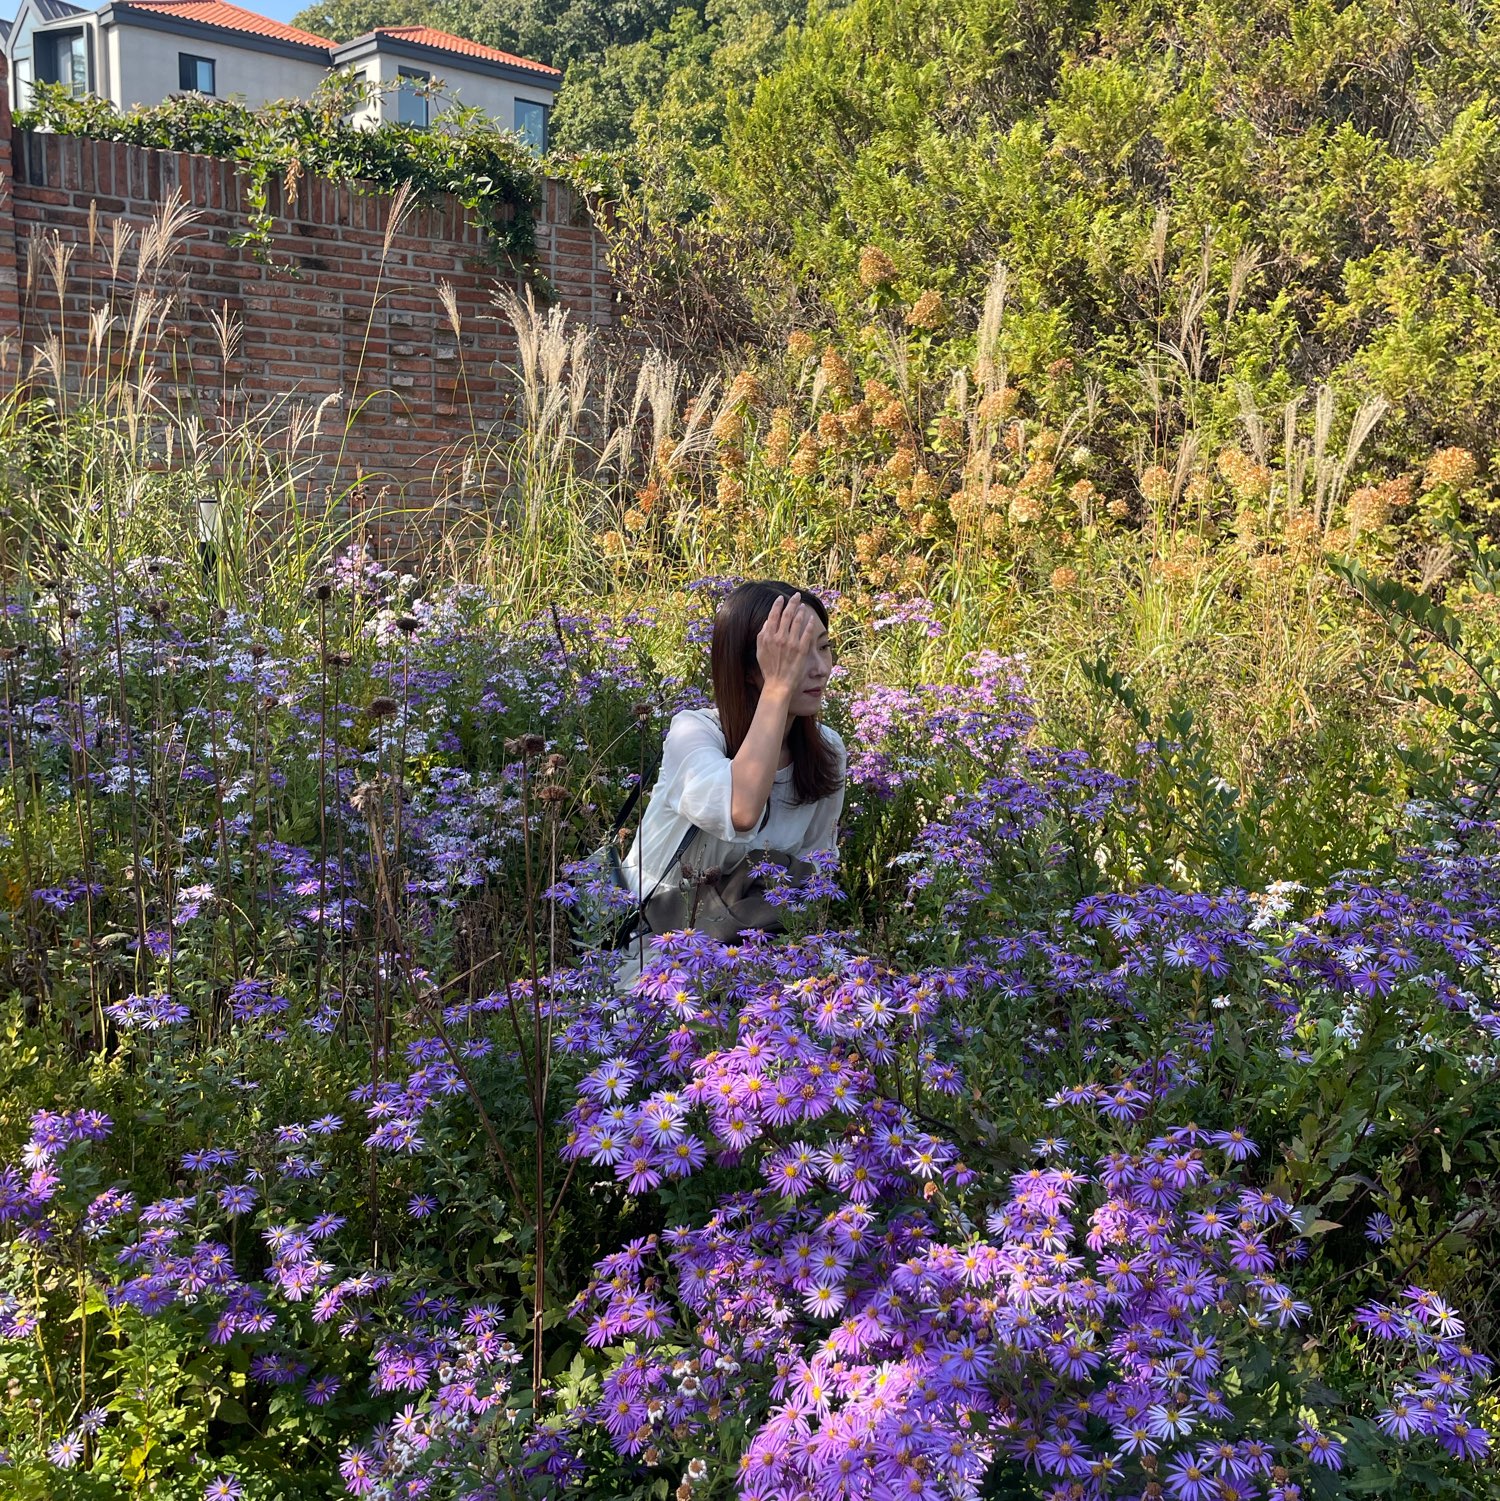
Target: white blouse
{"type": "Point", "coordinates": [693, 791]}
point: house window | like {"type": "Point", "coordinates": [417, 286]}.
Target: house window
{"type": "Point", "coordinates": [63, 57]}
{"type": "Point", "coordinates": [411, 106]}
{"type": "Point", "coordinates": [195, 75]}
{"type": "Point", "coordinates": [531, 123]}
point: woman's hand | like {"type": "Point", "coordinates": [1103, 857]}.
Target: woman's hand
{"type": "Point", "coordinates": [784, 643]}
{"type": "Point", "coordinates": [782, 649]}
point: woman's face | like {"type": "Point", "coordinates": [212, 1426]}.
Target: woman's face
{"type": "Point", "coordinates": [815, 673]}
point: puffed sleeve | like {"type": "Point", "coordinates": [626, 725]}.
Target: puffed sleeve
{"type": "Point", "coordinates": [823, 830]}
{"type": "Point", "coordinates": [696, 778]}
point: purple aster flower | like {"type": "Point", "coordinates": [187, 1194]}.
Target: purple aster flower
{"type": "Point", "coordinates": [1189, 1479]}
{"type": "Point", "coordinates": [1321, 1448]}
{"type": "Point", "coordinates": [67, 1451]}
{"type": "Point", "coordinates": [1383, 1322]}
{"type": "Point", "coordinates": [1235, 1144]}
{"type": "Point", "coordinates": [237, 1198]}
{"type": "Point", "coordinates": [1401, 1419]}
{"type": "Point", "coordinates": [359, 1470]}
{"type": "Point", "coordinates": [1463, 1439]}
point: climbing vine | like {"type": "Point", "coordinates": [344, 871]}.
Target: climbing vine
{"type": "Point", "coordinates": [464, 154]}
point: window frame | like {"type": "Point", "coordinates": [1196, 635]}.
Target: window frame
{"type": "Point", "coordinates": [403, 94]}
{"type": "Point", "coordinates": [46, 47]}
{"type": "Point", "coordinates": [195, 61]}
{"type": "Point", "coordinates": [545, 111]}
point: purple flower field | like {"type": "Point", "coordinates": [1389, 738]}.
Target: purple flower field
{"type": "Point", "coordinates": [333, 1160]}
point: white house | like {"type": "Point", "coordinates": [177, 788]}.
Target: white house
{"type": "Point", "coordinates": [142, 51]}
{"type": "Point", "coordinates": [514, 91]}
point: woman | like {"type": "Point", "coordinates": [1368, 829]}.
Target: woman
{"type": "Point", "coordinates": [758, 770]}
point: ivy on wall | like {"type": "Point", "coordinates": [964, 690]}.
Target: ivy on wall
{"type": "Point", "coordinates": [464, 154]}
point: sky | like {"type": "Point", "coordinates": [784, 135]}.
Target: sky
{"type": "Point", "coordinates": [278, 10]}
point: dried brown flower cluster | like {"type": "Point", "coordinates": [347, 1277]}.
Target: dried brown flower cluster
{"type": "Point", "coordinates": [1245, 478]}
{"type": "Point", "coordinates": [1156, 484]}
{"type": "Point", "coordinates": [1372, 506]}
{"type": "Point", "coordinates": [746, 389]}
{"type": "Point", "coordinates": [997, 406]}
{"type": "Point", "coordinates": [805, 459]}
{"type": "Point", "coordinates": [927, 312]}
{"type": "Point", "coordinates": [1453, 467]}
{"type": "Point", "coordinates": [876, 268]}
{"type": "Point", "coordinates": [778, 447]}
{"type": "Point", "coordinates": [837, 372]}
{"type": "Point", "coordinates": [729, 425]}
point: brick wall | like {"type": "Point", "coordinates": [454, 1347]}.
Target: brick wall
{"type": "Point", "coordinates": [357, 313]}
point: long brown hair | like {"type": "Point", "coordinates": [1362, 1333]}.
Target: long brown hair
{"type": "Point", "coordinates": [815, 770]}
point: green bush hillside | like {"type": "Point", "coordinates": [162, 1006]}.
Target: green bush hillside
{"type": "Point", "coordinates": [1194, 201]}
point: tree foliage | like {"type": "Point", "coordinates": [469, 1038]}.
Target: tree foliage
{"type": "Point", "coordinates": [630, 65]}
{"type": "Point", "coordinates": [1250, 197]}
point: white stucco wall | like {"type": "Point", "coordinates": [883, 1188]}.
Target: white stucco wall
{"type": "Point", "coordinates": [21, 49]}
{"type": "Point", "coordinates": [138, 65]}
{"type": "Point", "coordinates": [143, 68]}
{"type": "Point", "coordinates": [495, 96]}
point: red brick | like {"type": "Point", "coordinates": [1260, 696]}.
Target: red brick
{"type": "Point", "coordinates": [338, 325]}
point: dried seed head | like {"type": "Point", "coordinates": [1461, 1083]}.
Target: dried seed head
{"type": "Point", "coordinates": [365, 799]}
{"type": "Point", "coordinates": [512, 746]}
{"type": "Point", "coordinates": [337, 658]}
{"type": "Point", "coordinates": [641, 711]}
{"type": "Point", "coordinates": [532, 745]}
{"type": "Point", "coordinates": [382, 707]}
{"type": "Point", "coordinates": [406, 624]}
{"type": "Point", "coordinates": [7, 652]}
{"type": "Point", "coordinates": [74, 613]}
{"type": "Point", "coordinates": [157, 610]}
{"type": "Point", "coordinates": [556, 764]}
{"type": "Point", "coordinates": [553, 793]}
{"type": "Point", "coordinates": [323, 590]}
{"type": "Point", "coordinates": [258, 652]}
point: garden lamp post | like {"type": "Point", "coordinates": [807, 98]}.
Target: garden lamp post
{"type": "Point", "coordinates": [208, 535]}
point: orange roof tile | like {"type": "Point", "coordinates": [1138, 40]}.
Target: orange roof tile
{"type": "Point", "coordinates": [443, 41]}
{"type": "Point", "coordinates": [229, 17]}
